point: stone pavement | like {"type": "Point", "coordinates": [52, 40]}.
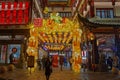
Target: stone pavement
{"type": "Point", "coordinates": [66, 74]}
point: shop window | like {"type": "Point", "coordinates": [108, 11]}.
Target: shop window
{"type": "Point", "coordinates": [105, 12]}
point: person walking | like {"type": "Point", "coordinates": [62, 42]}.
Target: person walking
{"type": "Point", "coordinates": [109, 63]}
{"type": "Point", "coordinates": [48, 68]}
{"type": "Point", "coordinates": [61, 62]}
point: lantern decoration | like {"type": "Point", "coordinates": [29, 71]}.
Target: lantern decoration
{"type": "Point", "coordinates": [20, 16]}
{"type": "Point", "coordinates": [2, 16]}
{"type": "Point", "coordinates": [60, 31]}
{"type": "Point", "coordinates": [14, 16]}
{"type": "Point", "coordinates": [14, 13]}
{"type": "Point", "coordinates": [26, 12]}
{"type": "Point", "coordinates": [91, 36]}
{"type": "Point", "coordinates": [8, 14]}
{"type": "Point", "coordinates": [45, 10]}
{"type": "Point", "coordinates": [3, 5]}
{"type": "Point", "coordinates": [59, 37]}
{"type": "Point", "coordinates": [32, 49]}
{"type": "Point", "coordinates": [76, 49]}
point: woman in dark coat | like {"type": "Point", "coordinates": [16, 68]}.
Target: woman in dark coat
{"type": "Point", "coordinates": [48, 68]}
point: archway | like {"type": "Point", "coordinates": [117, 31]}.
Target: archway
{"type": "Point", "coordinates": [57, 33]}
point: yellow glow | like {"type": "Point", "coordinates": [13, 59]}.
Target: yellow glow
{"type": "Point", "coordinates": [57, 30]}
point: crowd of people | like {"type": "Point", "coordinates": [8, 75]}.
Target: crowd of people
{"type": "Point", "coordinates": [46, 64]}
{"type": "Point", "coordinates": [113, 62]}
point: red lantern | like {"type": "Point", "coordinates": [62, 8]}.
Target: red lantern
{"type": "Point", "coordinates": [20, 5]}
{"type": "Point", "coordinates": [14, 20]}
{"type": "Point", "coordinates": [3, 5]}
{"type": "Point", "coordinates": [2, 16]}
{"type": "Point", "coordinates": [20, 16]}
{"type": "Point", "coordinates": [2, 13]}
{"type": "Point", "coordinates": [8, 13]}
{"type": "Point", "coordinates": [26, 15]}
{"type": "Point", "coordinates": [26, 5]}
{"type": "Point", "coordinates": [26, 12]}
{"type": "Point", "coordinates": [14, 13]}
{"type": "Point", "coordinates": [20, 13]}
{"type": "Point", "coordinates": [14, 16]}
{"type": "Point", "coordinates": [9, 5]}
{"type": "Point", "coordinates": [26, 19]}
{"type": "Point", "coordinates": [15, 5]}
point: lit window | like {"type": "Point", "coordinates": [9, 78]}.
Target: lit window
{"type": "Point", "coordinates": [105, 12]}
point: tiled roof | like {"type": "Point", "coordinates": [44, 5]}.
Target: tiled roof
{"type": "Point", "coordinates": [98, 22]}
{"type": "Point", "coordinates": [105, 21]}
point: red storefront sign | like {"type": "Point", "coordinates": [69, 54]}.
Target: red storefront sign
{"type": "Point", "coordinates": [14, 13]}
{"type": "Point", "coordinates": [37, 22]}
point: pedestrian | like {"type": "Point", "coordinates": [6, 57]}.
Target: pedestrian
{"type": "Point", "coordinates": [61, 62]}
{"type": "Point", "coordinates": [39, 63]}
{"type": "Point", "coordinates": [109, 63]}
{"type": "Point", "coordinates": [48, 68]}
{"type": "Point", "coordinates": [43, 62]}
{"type": "Point", "coordinates": [115, 61]}
{"type": "Point", "coordinates": [70, 62]}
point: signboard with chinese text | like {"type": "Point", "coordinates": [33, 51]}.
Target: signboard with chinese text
{"type": "Point", "coordinates": [37, 22]}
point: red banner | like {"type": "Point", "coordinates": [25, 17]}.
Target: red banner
{"type": "Point", "coordinates": [55, 60]}
{"type": "Point", "coordinates": [37, 22]}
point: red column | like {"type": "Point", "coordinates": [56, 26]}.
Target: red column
{"type": "Point", "coordinates": [91, 3]}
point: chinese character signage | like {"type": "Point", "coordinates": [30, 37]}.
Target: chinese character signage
{"type": "Point", "coordinates": [37, 22]}
{"type": "Point", "coordinates": [14, 13]}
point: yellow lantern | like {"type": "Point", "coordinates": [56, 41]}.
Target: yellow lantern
{"type": "Point", "coordinates": [91, 36]}
{"type": "Point", "coordinates": [33, 42]}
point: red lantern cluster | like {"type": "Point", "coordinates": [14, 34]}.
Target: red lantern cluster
{"type": "Point", "coordinates": [14, 13]}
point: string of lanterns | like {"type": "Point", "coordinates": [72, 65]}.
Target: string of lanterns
{"type": "Point", "coordinates": [14, 13]}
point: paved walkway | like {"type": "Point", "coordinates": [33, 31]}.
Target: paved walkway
{"type": "Point", "coordinates": [21, 74]}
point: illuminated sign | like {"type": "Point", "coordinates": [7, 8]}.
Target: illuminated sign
{"type": "Point", "coordinates": [14, 13]}
{"type": "Point", "coordinates": [38, 22]}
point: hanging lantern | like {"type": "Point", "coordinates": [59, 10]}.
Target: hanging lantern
{"type": "Point", "coordinates": [2, 16]}
{"type": "Point", "coordinates": [9, 5]}
{"type": "Point", "coordinates": [8, 13]}
{"type": "Point", "coordinates": [26, 5]}
{"type": "Point", "coordinates": [15, 5]}
{"type": "Point", "coordinates": [91, 36]}
{"type": "Point", "coordinates": [14, 16]}
{"type": "Point", "coordinates": [26, 15]}
{"type": "Point", "coordinates": [20, 5]}
{"type": "Point", "coordinates": [46, 10]}
{"type": "Point", "coordinates": [33, 42]}
{"type": "Point", "coordinates": [3, 5]}
{"type": "Point", "coordinates": [20, 16]}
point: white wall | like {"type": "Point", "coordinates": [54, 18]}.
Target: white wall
{"type": "Point", "coordinates": [108, 5]}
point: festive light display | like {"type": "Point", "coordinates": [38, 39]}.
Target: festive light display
{"type": "Point", "coordinates": [55, 32]}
